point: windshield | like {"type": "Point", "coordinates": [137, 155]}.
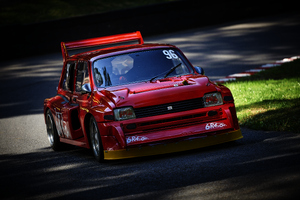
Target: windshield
{"type": "Point", "coordinates": [139, 66]}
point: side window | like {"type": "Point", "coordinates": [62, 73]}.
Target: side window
{"type": "Point", "coordinates": [69, 77]}
{"type": "Point", "coordinates": [82, 75]}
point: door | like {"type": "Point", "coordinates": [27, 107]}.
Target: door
{"type": "Point", "coordinates": [66, 109]}
{"type": "Point", "coordinates": [79, 98]}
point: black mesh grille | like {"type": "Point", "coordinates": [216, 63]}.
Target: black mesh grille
{"type": "Point", "coordinates": [167, 108]}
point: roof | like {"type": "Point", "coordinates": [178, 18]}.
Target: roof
{"type": "Point", "coordinates": [100, 53]}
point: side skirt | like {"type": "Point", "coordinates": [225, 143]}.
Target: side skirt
{"type": "Point", "coordinates": [79, 142]}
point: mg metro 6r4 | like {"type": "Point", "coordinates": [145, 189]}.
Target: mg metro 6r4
{"type": "Point", "coordinates": [136, 100]}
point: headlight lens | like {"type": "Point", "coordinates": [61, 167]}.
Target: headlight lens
{"type": "Point", "coordinates": [124, 113]}
{"type": "Point", "coordinates": [212, 99]}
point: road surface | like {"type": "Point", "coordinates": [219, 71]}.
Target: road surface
{"type": "Point", "coordinates": [262, 165]}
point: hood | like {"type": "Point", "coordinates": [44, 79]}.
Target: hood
{"type": "Point", "coordinates": [158, 92]}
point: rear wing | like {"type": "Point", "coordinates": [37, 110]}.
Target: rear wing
{"type": "Point", "coordinates": [126, 37]}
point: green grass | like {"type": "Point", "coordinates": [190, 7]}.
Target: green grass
{"type": "Point", "coordinates": [32, 11]}
{"type": "Point", "coordinates": [269, 100]}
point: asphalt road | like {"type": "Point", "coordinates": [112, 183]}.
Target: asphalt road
{"type": "Point", "coordinates": [262, 165]}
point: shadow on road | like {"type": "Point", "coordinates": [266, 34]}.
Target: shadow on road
{"type": "Point", "coordinates": [24, 84]}
{"type": "Point", "coordinates": [264, 162]}
{"type": "Point", "coordinates": [238, 46]}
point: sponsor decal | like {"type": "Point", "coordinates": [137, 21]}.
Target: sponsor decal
{"type": "Point", "coordinates": [136, 139]}
{"type": "Point", "coordinates": [214, 125]}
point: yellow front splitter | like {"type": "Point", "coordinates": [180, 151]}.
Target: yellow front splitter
{"type": "Point", "coordinates": [172, 147]}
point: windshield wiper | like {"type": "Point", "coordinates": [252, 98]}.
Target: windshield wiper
{"type": "Point", "coordinates": [171, 70]}
{"type": "Point", "coordinates": [168, 72]}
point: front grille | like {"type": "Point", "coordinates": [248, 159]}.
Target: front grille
{"type": "Point", "coordinates": [167, 108]}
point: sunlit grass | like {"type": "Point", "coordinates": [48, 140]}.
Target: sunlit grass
{"type": "Point", "coordinates": [269, 100]}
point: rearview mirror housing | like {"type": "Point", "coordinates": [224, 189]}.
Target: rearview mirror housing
{"type": "Point", "coordinates": [86, 88]}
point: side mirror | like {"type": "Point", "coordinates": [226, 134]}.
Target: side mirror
{"type": "Point", "coordinates": [199, 70]}
{"type": "Point", "coordinates": [86, 88]}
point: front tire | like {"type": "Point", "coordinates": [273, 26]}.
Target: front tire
{"type": "Point", "coordinates": [96, 142]}
{"type": "Point", "coordinates": [52, 132]}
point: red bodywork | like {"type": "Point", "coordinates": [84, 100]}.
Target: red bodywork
{"type": "Point", "coordinates": [72, 110]}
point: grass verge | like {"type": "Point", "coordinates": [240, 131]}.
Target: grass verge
{"type": "Point", "coordinates": [269, 100]}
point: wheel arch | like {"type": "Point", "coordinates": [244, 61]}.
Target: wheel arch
{"type": "Point", "coordinates": [45, 112]}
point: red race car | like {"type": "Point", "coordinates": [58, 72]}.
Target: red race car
{"type": "Point", "coordinates": [136, 100]}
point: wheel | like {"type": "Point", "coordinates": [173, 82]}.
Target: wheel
{"type": "Point", "coordinates": [95, 138]}
{"type": "Point", "coordinates": [52, 132]}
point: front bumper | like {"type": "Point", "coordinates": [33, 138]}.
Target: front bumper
{"type": "Point", "coordinates": [192, 143]}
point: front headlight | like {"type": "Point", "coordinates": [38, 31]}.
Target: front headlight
{"type": "Point", "coordinates": [212, 99]}
{"type": "Point", "coordinates": [124, 113]}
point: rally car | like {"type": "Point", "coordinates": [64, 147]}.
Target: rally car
{"type": "Point", "coordinates": [131, 100]}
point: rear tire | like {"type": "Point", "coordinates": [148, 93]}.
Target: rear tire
{"type": "Point", "coordinates": [52, 132]}
{"type": "Point", "coordinates": [96, 143]}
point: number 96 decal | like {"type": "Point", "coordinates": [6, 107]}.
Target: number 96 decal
{"type": "Point", "coordinates": [170, 54]}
